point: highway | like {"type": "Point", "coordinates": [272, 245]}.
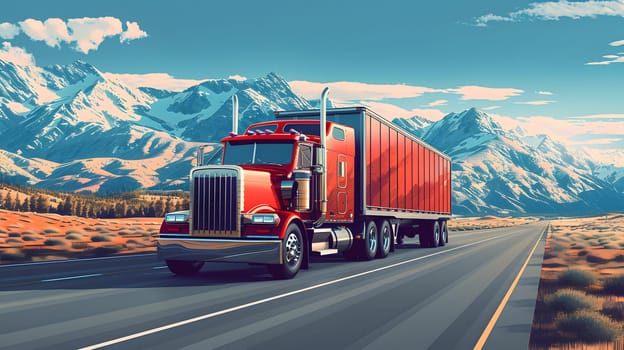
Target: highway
{"type": "Point", "coordinates": [437, 298]}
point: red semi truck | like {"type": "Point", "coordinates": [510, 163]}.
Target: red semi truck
{"type": "Point", "coordinates": [319, 182]}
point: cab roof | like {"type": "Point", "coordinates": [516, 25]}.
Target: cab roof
{"type": "Point", "coordinates": [284, 130]}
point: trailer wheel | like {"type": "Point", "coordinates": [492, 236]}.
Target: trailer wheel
{"type": "Point", "coordinates": [292, 254]}
{"type": "Point", "coordinates": [384, 239]}
{"type": "Point", "coordinates": [184, 268]}
{"type": "Point", "coordinates": [443, 233]}
{"type": "Point", "coordinates": [370, 241]}
{"type": "Point", "coordinates": [429, 234]}
{"type": "Point", "coordinates": [434, 232]}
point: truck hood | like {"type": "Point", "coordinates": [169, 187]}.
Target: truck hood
{"type": "Point", "coordinates": [260, 192]}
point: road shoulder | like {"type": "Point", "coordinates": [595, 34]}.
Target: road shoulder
{"type": "Point", "coordinates": [513, 328]}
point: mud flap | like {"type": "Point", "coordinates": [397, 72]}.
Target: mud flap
{"type": "Point", "coordinates": [305, 264]}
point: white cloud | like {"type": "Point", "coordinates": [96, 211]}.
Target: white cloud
{"type": "Point", "coordinates": [89, 33]}
{"type": "Point", "coordinates": [15, 55]}
{"type": "Point", "coordinates": [605, 141]}
{"type": "Point", "coordinates": [8, 30]}
{"type": "Point", "coordinates": [552, 10]}
{"type": "Point", "coordinates": [535, 103]}
{"type": "Point", "coordinates": [237, 77]}
{"type": "Point", "coordinates": [86, 34]}
{"type": "Point", "coordinates": [612, 58]}
{"type": "Point", "coordinates": [490, 108]}
{"type": "Point", "coordinates": [483, 20]}
{"type": "Point", "coordinates": [617, 43]}
{"type": "Point", "coordinates": [437, 103]}
{"type": "Point", "coordinates": [161, 81]}
{"type": "Point", "coordinates": [473, 92]}
{"type": "Point", "coordinates": [577, 131]}
{"type": "Point", "coordinates": [53, 31]}
{"type": "Point", "coordinates": [547, 93]}
{"type": "Point", "coordinates": [390, 111]}
{"type": "Point", "coordinates": [601, 116]}
{"type": "Point", "coordinates": [132, 33]}
{"type": "Point", "coordinates": [609, 59]}
{"type": "Point", "coordinates": [354, 91]}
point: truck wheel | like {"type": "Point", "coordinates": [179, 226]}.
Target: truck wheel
{"type": "Point", "coordinates": [370, 241]}
{"type": "Point", "coordinates": [184, 268]}
{"type": "Point", "coordinates": [434, 232]}
{"type": "Point", "coordinates": [384, 238]}
{"type": "Point", "coordinates": [443, 233]}
{"type": "Point", "coordinates": [429, 234]}
{"type": "Point", "coordinates": [292, 254]}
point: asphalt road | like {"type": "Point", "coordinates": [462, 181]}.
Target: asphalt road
{"type": "Point", "coordinates": [438, 298]}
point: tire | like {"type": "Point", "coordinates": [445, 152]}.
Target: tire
{"type": "Point", "coordinates": [369, 248]}
{"type": "Point", "coordinates": [184, 268]}
{"type": "Point", "coordinates": [384, 239]}
{"type": "Point", "coordinates": [429, 234]}
{"type": "Point", "coordinates": [443, 233]}
{"type": "Point", "coordinates": [434, 233]}
{"type": "Point", "coordinates": [292, 254]}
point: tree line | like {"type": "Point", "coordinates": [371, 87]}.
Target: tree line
{"type": "Point", "coordinates": [131, 204]}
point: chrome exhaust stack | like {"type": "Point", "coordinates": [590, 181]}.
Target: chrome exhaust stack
{"type": "Point", "coordinates": [235, 114]}
{"type": "Point", "coordinates": [323, 158]}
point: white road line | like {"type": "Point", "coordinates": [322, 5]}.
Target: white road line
{"type": "Point", "coordinates": [77, 260]}
{"type": "Point", "coordinates": [280, 296]}
{"type": "Point", "coordinates": [159, 267]}
{"type": "Point", "coordinates": [72, 277]}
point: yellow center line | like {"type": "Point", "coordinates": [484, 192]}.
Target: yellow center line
{"type": "Point", "coordinates": [501, 306]}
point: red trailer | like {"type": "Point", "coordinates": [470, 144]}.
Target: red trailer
{"type": "Point", "coordinates": [286, 190]}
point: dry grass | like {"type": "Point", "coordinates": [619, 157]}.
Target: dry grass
{"type": "Point", "coordinates": [580, 302]}
{"type": "Point", "coordinates": [577, 278]}
{"type": "Point", "coordinates": [570, 300]}
{"type": "Point", "coordinates": [36, 237]}
{"type": "Point", "coordinates": [485, 222]}
{"type": "Point", "coordinates": [589, 327]}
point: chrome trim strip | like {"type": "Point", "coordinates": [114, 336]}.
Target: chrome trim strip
{"type": "Point", "coordinates": [406, 215]}
{"type": "Point", "coordinates": [225, 250]}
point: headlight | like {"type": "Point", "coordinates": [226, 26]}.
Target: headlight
{"type": "Point", "coordinates": [176, 218]}
{"type": "Point", "coordinates": [262, 219]}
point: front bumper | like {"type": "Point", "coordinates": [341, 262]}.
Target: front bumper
{"type": "Point", "coordinates": [225, 250]}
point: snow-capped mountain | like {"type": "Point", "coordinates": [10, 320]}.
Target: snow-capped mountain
{"type": "Point", "coordinates": [611, 174]}
{"type": "Point", "coordinates": [501, 171]}
{"type": "Point", "coordinates": [73, 128]}
{"type": "Point", "coordinates": [415, 125]}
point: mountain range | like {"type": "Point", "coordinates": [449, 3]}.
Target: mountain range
{"type": "Point", "coordinates": [74, 128]}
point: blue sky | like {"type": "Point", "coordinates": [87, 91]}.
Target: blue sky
{"type": "Point", "coordinates": [531, 62]}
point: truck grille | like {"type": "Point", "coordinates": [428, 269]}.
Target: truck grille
{"type": "Point", "coordinates": [216, 201]}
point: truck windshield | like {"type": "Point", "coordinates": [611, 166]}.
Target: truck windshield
{"type": "Point", "coordinates": [258, 153]}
